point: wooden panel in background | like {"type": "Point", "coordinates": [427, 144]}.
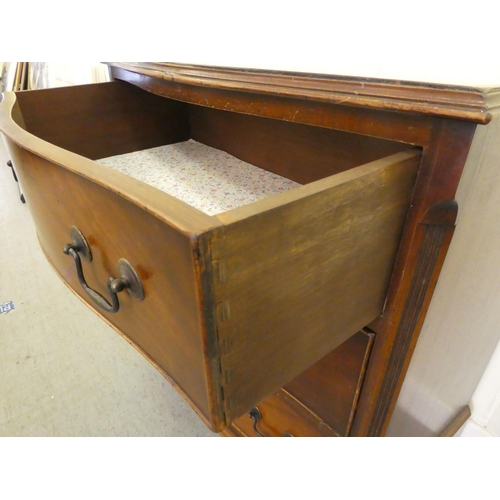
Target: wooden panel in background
{"type": "Point", "coordinates": [104, 119]}
{"type": "Point", "coordinates": [331, 387]}
{"type": "Point", "coordinates": [299, 152]}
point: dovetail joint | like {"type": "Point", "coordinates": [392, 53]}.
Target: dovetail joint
{"type": "Point", "coordinates": [223, 311]}
{"type": "Point", "coordinates": [220, 271]}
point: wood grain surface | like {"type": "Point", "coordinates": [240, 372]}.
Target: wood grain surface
{"type": "Point", "coordinates": [167, 326]}
{"type": "Point", "coordinates": [306, 270]}
{"type": "Point", "coordinates": [104, 119]}
{"type": "Point", "coordinates": [451, 101]}
{"type": "Point", "coordinates": [331, 387]}
{"type": "Point", "coordinates": [296, 151]}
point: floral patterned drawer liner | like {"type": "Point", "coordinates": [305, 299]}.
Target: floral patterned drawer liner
{"type": "Point", "coordinates": [204, 177]}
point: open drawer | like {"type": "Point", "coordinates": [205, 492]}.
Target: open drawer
{"type": "Point", "coordinates": [231, 306]}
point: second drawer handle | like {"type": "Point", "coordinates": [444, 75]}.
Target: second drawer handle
{"type": "Point", "coordinates": [129, 280]}
{"type": "Point", "coordinates": [256, 416]}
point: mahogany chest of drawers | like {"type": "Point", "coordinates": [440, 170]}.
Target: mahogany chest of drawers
{"type": "Point", "coordinates": [292, 314]}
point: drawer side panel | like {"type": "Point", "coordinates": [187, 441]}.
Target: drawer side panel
{"type": "Point", "coordinates": [103, 119]}
{"type": "Point", "coordinates": [305, 275]}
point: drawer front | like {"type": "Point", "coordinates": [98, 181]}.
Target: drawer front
{"type": "Point", "coordinates": [321, 401]}
{"type": "Point", "coordinates": [167, 326]}
{"type": "Point", "coordinates": [280, 415]}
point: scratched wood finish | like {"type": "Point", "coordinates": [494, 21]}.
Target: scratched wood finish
{"type": "Point", "coordinates": [114, 118]}
{"type": "Point", "coordinates": [379, 123]}
{"type": "Point", "coordinates": [119, 228]}
{"type": "Point", "coordinates": [362, 106]}
{"type": "Point", "coordinates": [464, 103]}
{"type": "Point", "coordinates": [305, 274]}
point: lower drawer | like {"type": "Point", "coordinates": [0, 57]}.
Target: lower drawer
{"type": "Point", "coordinates": [321, 401]}
{"type": "Point", "coordinates": [280, 415]}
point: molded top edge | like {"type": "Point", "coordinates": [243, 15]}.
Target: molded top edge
{"type": "Point", "coordinates": [448, 101]}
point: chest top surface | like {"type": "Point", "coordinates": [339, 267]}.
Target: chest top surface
{"type": "Point", "coordinates": [459, 102]}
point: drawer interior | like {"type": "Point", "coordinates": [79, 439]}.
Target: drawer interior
{"type": "Point", "coordinates": [138, 133]}
{"type": "Point", "coordinates": [206, 178]}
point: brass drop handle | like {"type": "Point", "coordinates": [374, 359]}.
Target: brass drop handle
{"type": "Point", "coordinates": [128, 280]}
{"type": "Point", "coordinates": [256, 415]}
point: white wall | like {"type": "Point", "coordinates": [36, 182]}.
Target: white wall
{"type": "Point", "coordinates": [429, 40]}
{"type": "Point", "coordinates": [62, 74]}
{"type": "Point", "coordinates": [485, 403]}
{"type": "Point", "coordinates": [462, 328]}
